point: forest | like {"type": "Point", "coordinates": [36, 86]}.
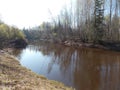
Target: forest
{"type": "Point", "coordinates": [89, 21]}
{"type": "Point", "coordinates": [9, 34]}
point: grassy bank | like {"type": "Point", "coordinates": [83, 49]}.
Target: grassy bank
{"type": "Point", "coordinates": [15, 77]}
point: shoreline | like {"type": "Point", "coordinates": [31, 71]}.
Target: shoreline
{"type": "Point", "coordinates": [105, 45]}
{"type": "Point", "coordinates": [13, 76]}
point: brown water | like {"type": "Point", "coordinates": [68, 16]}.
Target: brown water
{"type": "Point", "coordinates": [83, 68]}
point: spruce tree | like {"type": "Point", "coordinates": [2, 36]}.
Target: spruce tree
{"type": "Point", "coordinates": [98, 23]}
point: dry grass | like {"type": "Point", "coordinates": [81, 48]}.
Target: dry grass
{"type": "Point", "coordinates": [15, 77]}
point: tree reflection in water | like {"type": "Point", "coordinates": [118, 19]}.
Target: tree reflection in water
{"type": "Point", "coordinates": [17, 52]}
{"type": "Point", "coordinates": [83, 68]}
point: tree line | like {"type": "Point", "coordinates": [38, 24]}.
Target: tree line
{"type": "Point", "coordinates": [9, 33]}
{"type": "Point", "coordinates": [88, 21]}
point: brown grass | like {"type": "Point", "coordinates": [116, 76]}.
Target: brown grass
{"type": "Point", "coordinates": [15, 77]}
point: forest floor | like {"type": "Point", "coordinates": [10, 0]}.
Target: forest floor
{"type": "Point", "coordinates": [13, 76]}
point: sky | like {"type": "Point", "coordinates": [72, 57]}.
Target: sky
{"type": "Point", "coordinates": [29, 13]}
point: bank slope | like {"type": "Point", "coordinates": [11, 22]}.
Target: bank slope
{"type": "Point", "coordinates": [15, 77]}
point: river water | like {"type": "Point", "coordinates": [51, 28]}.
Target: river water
{"type": "Point", "coordinates": [81, 68]}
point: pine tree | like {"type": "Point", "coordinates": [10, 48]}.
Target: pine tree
{"type": "Point", "coordinates": [99, 18]}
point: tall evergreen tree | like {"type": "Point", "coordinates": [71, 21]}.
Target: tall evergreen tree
{"type": "Point", "coordinates": [99, 17]}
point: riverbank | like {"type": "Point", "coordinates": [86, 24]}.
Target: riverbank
{"type": "Point", "coordinates": [15, 77]}
{"type": "Point", "coordinates": [106, 45]}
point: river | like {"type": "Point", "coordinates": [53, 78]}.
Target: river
{"type": "Point", "coordinates": [81, 68]}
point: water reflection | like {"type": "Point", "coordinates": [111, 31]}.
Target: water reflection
{"type": "Point", "coordinates": [83, 68]}
{"type": "Point", "coordinates": [17, 52]}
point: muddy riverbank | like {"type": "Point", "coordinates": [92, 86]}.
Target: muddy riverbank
{"type": "Point", "coordinates": [106, 45]}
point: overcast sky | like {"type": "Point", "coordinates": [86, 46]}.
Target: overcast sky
{"type": "Point", "coordinates": [25, 13]}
